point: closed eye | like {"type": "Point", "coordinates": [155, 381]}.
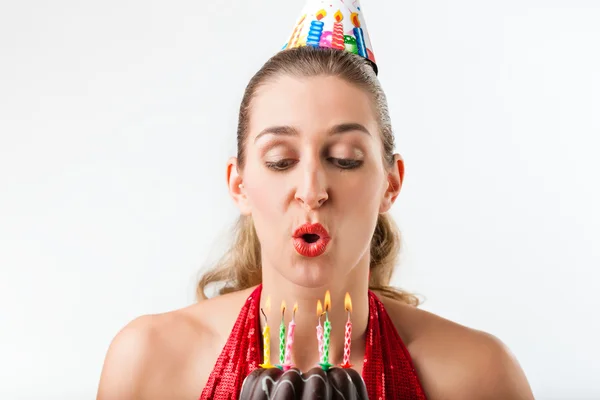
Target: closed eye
{"type": "Point", "coordinates": [341, 163]}
{"type": "Point", "coordinates": [347, 163]}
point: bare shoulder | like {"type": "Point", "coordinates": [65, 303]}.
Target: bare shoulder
{"type": "Point", "coordinates": [454, 361]}
{"type": "Point", "coordinates": [168, 355]}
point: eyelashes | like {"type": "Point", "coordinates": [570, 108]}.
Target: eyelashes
{"type": "Point", "coordinates": [341, 163]}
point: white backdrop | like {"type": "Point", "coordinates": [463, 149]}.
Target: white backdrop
{"type": "Point", "coordinates": [117, 118]}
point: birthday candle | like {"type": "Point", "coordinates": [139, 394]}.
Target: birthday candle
{"type": "Point", "coordinates": [360, 37]}
{"type": "Point", "coordinates": [266, 338]}
{"type": "Point", "coordinates": [326, 339]}
{"type": "Point", "coordinates": [267, 345]}
{"type": "Point", "coordinates": [295, 42]}
{"type": "Point", "coordinates": [282, 335]}
{"type": "Point", "coordinates": [320, 331]}
{"type": "Point", "coordinates": [316, 29]}
{"type": "Point", "coordinates": [290, 339]}
{"type": "Point", "coordinates": [327, 334]}
{"type": "Point", "coordinates": [348, 333]}
{"type": "Point", "coordinates": [296, 30]}
{"type": "Point", "coordinates": [337, 41]}
{"type": "Point", "coordinates": [314, 33]}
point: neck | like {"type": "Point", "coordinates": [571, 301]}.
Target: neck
{"type": "Point", "coordinates": [305, 353]}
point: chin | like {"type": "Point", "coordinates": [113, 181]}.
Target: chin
{"type": "Point", "coordinates": [310, 274]}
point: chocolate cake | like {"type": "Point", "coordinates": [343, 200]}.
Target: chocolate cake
{"type": "Point", "coordinates": [275, 384]}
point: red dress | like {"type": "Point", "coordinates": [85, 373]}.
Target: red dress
{"type": "Point", "coordinates": [388, 370]}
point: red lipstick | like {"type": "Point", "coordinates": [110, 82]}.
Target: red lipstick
{"type": "Point", "coordinates": [310, 240]}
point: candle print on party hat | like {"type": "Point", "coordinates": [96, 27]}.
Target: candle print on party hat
{"type": "Point", "coordinates": [336, 24]}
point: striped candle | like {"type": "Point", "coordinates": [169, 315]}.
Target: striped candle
{"type": "Point", "coordinates": [359, 34]}
{"type": "Point", "coordinates": [314, 33]}
{"type": "Point", "coordinates": [337, 40]}
{"type": "Point", "coordinates": [316, 29]}
{"type": "Point", "coordinates": [360, 42]}
{"type": "Point", "coordinates": [290, 340]}
{"type": "Point", "coordinates": [327, 334]}
{"type": "Point", "coordinates": [296, 30]}
{"type": "Point", "coordinates": [347, 334]}
{"type": "Point", "coordinates": [326, 339]}
{"type": "Point", "coordinates": [320, 331]}
{"type": "Point", "coordinates": [282, 338]}
{"type": "Point", "coordinates": [297, 37]}
{"type": "Point", "coordinates": [320, 340]}
{"type": "Point", "coordinates": [266, 338]}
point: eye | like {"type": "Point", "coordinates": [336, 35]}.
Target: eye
{"type": "Point", "coordinates": [279, 165]}
{"type": "Point", "coordinates": [341, 163]}
{"type": "Point", "coordinates": [346, 163]}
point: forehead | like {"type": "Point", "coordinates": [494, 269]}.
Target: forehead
{"type": "Point", "coordinates": [311, 105]}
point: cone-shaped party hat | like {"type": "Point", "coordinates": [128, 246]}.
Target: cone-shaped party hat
{"type": "Point", "coordinates": [337, 24]}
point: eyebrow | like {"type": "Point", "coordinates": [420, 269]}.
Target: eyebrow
{"type": "Point", "coordinates": [285, 130]}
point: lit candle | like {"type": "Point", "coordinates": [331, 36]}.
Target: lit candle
{"type": "Point", "coordinates": [282, 336]}
{"type": "Point", "coordinates": [320, 331]}
{"type": "Point", "coordinates": [266, 338]}
{"type": "Point", "coordinates": [360, 37]}
{"type": "Point", "coordinates": [316, 29]}
{"type": "Point", "coordinates": [337, 41]}
{"type": "Point", "coordinates": [348, 334]}
{"type": "Point", "coordinates": [327, 334]}
{"type": "Point", "coordinates": [290, 340]}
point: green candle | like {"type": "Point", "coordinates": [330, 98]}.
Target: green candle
{"type": "Point", "coordinates": [327, 334]}
{"type": "Point", "coordinates": [281, 343]}
{"type": "Point", "coordinates": [326, 337]}
{"type": "Point", "coordinates": [282, 336]}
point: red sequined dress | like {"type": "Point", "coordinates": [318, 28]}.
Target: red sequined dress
{"type": "Point", "coordinates": [388, 370]}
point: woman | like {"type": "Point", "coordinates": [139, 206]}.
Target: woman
{"type": "Point", "coordinates": [314, 177]}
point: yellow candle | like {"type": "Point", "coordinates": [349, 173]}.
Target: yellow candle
{"type": "Point", "coordinates": [267, 346]}
{"type": "Point", "coordinates": [267, 340]}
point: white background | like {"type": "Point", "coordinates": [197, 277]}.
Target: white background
{"type": "Point", "coordinates": [117, 118]}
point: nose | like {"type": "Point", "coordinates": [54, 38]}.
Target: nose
{"type": "Point", "coordinates": [312, 191]}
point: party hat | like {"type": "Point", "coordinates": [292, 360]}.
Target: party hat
{"type": "Point", "coordinates": [337, 24]}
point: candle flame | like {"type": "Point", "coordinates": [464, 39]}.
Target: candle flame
{"type": "Point", "coordinates": [355, 20]}
{"type": "Point", "coordinates": [295, 307]}
{"type": "Point", "coordinates": [327, 301]}
{"type": "Point", "coordinates": [338, 16]}
{"type": "Point", "coordinates": [268, 304]}
{"type": "Point", "coordinates": [321, 14]}
{"type": "Point", "coordinates": [348, 302]}
{"type": "Point", "coordinates": [282, 306]}
{"type": "Point", "coordinates": [319, 309]}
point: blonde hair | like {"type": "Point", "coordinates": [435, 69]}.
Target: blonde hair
{"type": "Point", "coordinates": [240, 266]}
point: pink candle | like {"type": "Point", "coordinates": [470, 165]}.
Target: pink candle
{"type": "Point", "coordinates": [290, 340]}
{"type": "Point", "coordinates": [347, 337]}
{"type": "Point", "coordinates": [320, 331]}
{"type": "Point", "coordinates": [348, 334]}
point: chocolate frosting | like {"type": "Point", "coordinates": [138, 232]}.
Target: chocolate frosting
{"type": "Point", "coordinates": [316, 384]}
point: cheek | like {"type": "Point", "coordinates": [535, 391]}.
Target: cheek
{"type": "Point", "coordinates": [362, 195]}
{"type": "Point", "coordinates": [265, 212]}
{"type": "Point", "coordinates": [263, 199]}
{"type": "Point", "coordinates": [265, 194]}
{"type": "Point", "coordinates": [360, 210]}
